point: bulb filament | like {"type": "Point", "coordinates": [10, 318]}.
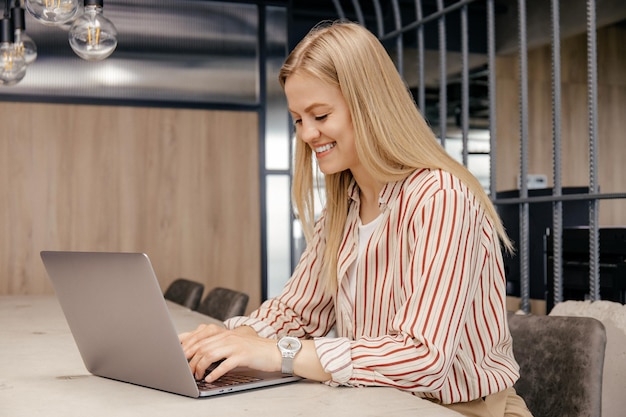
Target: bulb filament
{"type": "Point", "coordinates": [93, 35]}
{"type": "Point", "coordinates": [53, 3]}
{"type": "Point", "coordinates": [19, 49]}
{"type": "Point", "coordinates": [7, 59]}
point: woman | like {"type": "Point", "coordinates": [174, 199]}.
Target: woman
{"type": "Point", "coordinates": [405, 260]}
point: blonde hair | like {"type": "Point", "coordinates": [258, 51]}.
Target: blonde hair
{"type": "Point", "coordinates": [392, 138]}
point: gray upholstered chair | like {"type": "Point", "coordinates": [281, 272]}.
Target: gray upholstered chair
{"type": "Point", "coordinates": [224, 303]}
{"type": "Point", "coordinates": [185, 292]}
{"type": "Point", "coordinates": [561, 361]}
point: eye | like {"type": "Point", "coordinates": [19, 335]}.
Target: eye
{"type": "Point", "coordinates": [320, 118]}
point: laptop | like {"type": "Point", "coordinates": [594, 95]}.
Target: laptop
{"type": "Point", "coordinates": [123, 329]}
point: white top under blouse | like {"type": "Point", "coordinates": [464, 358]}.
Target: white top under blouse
{"type": "Point", "coordinates": [365, 232]}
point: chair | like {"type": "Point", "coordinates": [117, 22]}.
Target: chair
{"type": "Point", "coordinates": [561, 361]}
{"type": "Point", "coordinates": [185, 292]}
{"type": "Point", "coordinates": [224, 303]}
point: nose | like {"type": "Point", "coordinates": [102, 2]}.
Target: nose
{"type": "Point", "coordinates": [308, 132]}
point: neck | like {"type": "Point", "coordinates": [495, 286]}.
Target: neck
{"type": "Point", "coordinates": [369, 192]}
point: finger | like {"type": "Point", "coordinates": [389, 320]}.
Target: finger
{"type": "Point", "coordinates": [224, 366]}
{"type": "Point", "coordinates": [191, 340]}
{"type": "Point", "coordinates": [201, 366]}
{"type": "Point", "coordinates": [204, 331]}
{"type": "Point", "coordinates": [201, 362]}
{"type": "Point", "coordinates": [203, 354]}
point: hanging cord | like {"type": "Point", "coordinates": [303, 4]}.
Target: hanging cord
{"type": "Point", "coordinates": [10, 4]}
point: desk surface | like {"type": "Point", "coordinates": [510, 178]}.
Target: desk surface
{"type": "Point", "coordinates": [41, 373]}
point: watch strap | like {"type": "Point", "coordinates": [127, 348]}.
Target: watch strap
{"type": "Point", "coordinates": [287, 365]}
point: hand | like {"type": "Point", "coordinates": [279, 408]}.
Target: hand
{"type": "Point", "coordinates": [239, 347]}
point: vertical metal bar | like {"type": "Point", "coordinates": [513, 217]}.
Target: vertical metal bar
{"type": "Point", "coordinates": [524, 228]}
{"type": "Point", "coordinates": [491, 62]}
{"type": "Point", "coordinates": [557, 207]}
{"type": "Point", "coordinates": [379, 18]}
{"type": "Point", "coordinates": [262, 46]}
{"type": "Point", "coordinates": [339, 9]}
{"type": "Point", "coordinates": [443, 88]}
{"type": "Point", "coordinates": [592, 87]}
{"type": "Point", "coordinates": [421, 92]}
{"type": "Point", "coordinates": [359, 13]}
{"type": "Point", "coordinates": [400, 37]}
{"type": "Point", "coordinates": [464, 83]}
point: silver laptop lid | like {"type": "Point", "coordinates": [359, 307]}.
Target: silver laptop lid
{"type": "Point", "coordinates": [119, 318]}
{"type": "Point", "coordinates": [122, 325]}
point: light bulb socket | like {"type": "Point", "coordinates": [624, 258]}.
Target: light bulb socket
{"type": "Point", "coordinates": [7, 30]}
{"type": "Point", "coordinates": [97, 3]}
{"type": "Point", "coordinates": [19, 18]}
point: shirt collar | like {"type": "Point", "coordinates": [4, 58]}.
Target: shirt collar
{"type": "Point", "coordinates": [388, 194]}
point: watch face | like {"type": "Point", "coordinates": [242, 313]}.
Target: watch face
{"type": "Point", "coordinates": [289, 344]}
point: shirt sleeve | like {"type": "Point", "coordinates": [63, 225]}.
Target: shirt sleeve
{"type": "Point", "coordinates": [303, 309]}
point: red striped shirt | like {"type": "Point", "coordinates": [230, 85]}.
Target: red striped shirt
{"type": "Point", "coordinates": [429, 312]}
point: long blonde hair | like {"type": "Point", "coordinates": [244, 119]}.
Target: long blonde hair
{"type": "Point", "coordinates": [392, 138]}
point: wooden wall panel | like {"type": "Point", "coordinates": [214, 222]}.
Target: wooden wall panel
{"type": "Point", "coordinates": [574, 118]}
{"type": "Point", "coordinates": [180, 185]}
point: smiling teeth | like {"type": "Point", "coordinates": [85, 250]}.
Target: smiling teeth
{"type": "Point", "coordinates": [325, 147]}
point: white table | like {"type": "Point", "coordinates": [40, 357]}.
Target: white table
{"type": "Point", "coordinates": [42, 374]}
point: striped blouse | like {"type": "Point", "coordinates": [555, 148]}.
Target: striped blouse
{"type": "Point", "coordinates": [429, 312]}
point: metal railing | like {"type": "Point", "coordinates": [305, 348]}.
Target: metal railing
{"type": "Point", "coordinates": [398, 32]}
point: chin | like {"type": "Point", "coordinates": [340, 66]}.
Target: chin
{"type": "Point", "coordinates": [329, 168]}
{"type": "Point", "coordinates": [329, 171]}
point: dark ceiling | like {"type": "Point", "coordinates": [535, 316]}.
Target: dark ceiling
{"type": "Point", "coordinates": [305, 14]}
{"type": "Point", "coordinates": [573, 21]}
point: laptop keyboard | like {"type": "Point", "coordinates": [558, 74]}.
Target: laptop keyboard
{"type": "Point", "coordinates": [227, 380]}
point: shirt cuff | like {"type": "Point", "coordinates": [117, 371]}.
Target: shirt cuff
{"type": "Point", "coordinates": [335, 355]}
{"type": "Point", "coordinates": [257, 325]}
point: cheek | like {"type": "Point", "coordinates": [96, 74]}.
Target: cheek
{"type": "Point", "coordinates": [343, 132]}
{"type": "Point", "coordinates": [350, 139]}
{"type": "Point", "coordinates": [349, 147]}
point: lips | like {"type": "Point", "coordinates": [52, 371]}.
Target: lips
{"type": "Point", "coordinates": [325, 148]}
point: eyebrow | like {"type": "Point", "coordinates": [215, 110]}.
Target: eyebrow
{"type": "Point", "coordinates": [311, 107]}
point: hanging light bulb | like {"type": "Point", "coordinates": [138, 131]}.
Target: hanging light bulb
{"type": "Point", "coordinates": [53, 12]}
{"type": "Point", "coordinates": [12, 64]}
{"type": "Point", "coordinates": [92, 36]}
{"type": "Point", "coordinates": [23, 43]}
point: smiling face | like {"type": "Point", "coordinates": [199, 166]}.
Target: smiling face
{"type": "Point", "coordinates": [322, 120]}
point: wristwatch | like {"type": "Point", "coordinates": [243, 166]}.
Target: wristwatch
{"type": "Point", "coordinates": [289, 347]}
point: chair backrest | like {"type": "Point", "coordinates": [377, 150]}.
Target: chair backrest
{"type": "Point", "coordinates": [224, 303]}
{"type": "Point", "coordinates": [561, 361]}
{"type": "Point", "coordinates": [185, 292]}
